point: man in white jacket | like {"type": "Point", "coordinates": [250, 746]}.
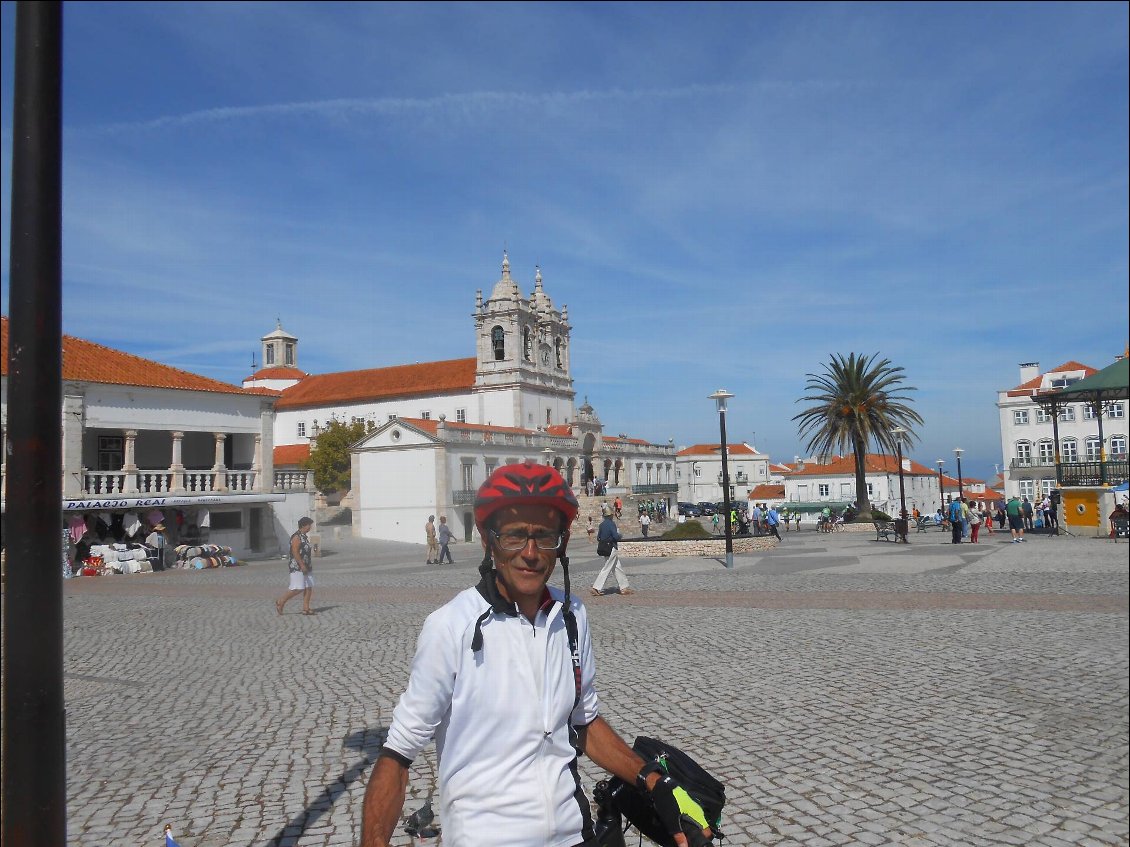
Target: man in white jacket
{"type": "Point", "coordinates": [503, 680]}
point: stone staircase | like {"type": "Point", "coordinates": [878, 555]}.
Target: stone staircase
{"type": "Point", "coordinates": [628, 523]}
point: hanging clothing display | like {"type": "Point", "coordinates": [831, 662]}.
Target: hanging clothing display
{"type": "Point", "coordinates": [77, 528]}
{"type": "Point", "coordinates": [131, 523]}
{"type": "Point", "coordinates": [203, 518]}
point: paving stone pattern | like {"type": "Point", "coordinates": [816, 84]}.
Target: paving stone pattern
{"type": "Point", "coordinates": [848, 692]}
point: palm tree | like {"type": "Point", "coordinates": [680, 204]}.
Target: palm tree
{"type": "Point", "coordinates": [857, 401]}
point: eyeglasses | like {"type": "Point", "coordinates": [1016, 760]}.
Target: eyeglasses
{"type": "Point", "coordinates": [512, 542]}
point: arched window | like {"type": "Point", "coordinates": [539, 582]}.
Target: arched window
{"type": "Point", "coordinates": [290, 354]}
{"type": "Point", "coordinates": [1023, 454]}
{"type": "Point", "coordinates": [498, 343]}
{"type": "Point", "coordinates": [1046, 452]}
{"type": "Point", "coordinates": [1070, 450]}
{"type": "Point", "coordinates": [1118, 446]}
{"type": "Point", "coordinates": [560, 359]}
{"type": "Point", "coordinates": [527, 345]}
{"type": "Point", "coordinates": [269, 353]}
{"type": "Point", "coordinates": [1093, 448]}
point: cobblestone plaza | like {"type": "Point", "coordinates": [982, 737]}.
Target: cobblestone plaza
{"type": "Point", "coordinates": [847, 691]}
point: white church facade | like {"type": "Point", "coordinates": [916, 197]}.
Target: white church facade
{"type": "Point", "coordinates": [437, 429]}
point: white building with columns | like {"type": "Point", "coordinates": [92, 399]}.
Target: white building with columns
{"type": "Point", "coordinates": [140, 436]}
{"type": "Point", "coordinates": [436, 429]}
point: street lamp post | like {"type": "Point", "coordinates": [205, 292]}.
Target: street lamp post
{"type": "Point", "coordinates": [720, 397]}
{"type": "Point", "coordinates": [904, 525]}
{"type": "Point", "coordinates": [941, 487]}
{"type": "Point", "coordinates": [957, 451]}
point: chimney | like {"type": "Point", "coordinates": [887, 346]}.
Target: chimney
{"type": "Point", "coordinates": [1029, 371]}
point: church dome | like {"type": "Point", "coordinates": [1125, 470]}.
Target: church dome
{"type": "Point", "coordinates": [506, 288]}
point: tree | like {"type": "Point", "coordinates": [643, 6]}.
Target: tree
{"type": "Point", "coordinates": [330, 458]}
{"type": "Point", "coordinates": [857, 402]}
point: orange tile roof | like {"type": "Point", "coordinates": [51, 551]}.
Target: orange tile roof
{"type": "Point", "coordinates": [711, 449]}
{"type": "Point", "coordinates": [291, 454]}
{"type": "Point", "coordinates": [266, 392]}
{"type": "Point", "coordinates": [874, 463]}
{"type": "Point", "coordinates": [618, 440]}
{"type": "Point", "coordinates": [451, 376]}
{"type": "Point", "coordinates": [1033, 384]}
{"type": "Point", "coordinates": [276, 372]}
{"type": "Point", "coordinates": [767, 492]}
{"type": "Point", "coordinates": [559, 429]}
{"type": "Point", "coordinates": [431, 426]}
{"type": "Point", "coordinates": [86, 361]}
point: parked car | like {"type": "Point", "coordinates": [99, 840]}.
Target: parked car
{"type": "Point", "coordinates": [707, 509]}
{"type": "Point", "coordinates": [690, 510]}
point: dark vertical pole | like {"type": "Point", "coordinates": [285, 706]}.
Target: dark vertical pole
{"type": "Point", "coordinates": [960, 486]}
{"type": "Point", "coordinates": [941, 490]}
{"type": "Point", "coordinates": [905, 525]}
{"type": "Point", "coordinates": [1055, 445]}
{"type": "Point", "coordinates": [1098, 407]}
{"type": "Point", "coordinates": [726, 491]}
{"type": "Point", "coordinates": [34, 791]}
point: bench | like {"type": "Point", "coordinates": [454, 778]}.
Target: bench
{"type": "Point", "coordinates": [885, 531]}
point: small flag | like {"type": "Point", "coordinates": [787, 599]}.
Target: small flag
{"type": "Point", "coordinates": [169, 841]}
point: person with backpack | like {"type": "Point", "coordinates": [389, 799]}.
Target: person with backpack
{"type": "Point", "coordinates": [607, 540]}
{"type": "Point", "coordinates": [955, 519]}
{"type": "Point", "coordinates": [510, 715]}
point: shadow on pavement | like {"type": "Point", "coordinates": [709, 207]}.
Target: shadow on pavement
{"type": "Point", "coordinates": [368, 742]}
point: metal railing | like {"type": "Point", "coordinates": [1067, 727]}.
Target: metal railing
{"type": "Point", "coordinates": [463, 496]}
{"type": "Point", "coordinates": [1092, 473]}
{"type": "Point", "coordinates": [656, 488]}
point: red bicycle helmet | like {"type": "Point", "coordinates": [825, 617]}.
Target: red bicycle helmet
{"type": "Point", "coordinates": [513, 485]}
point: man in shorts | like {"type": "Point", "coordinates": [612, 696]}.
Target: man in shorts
{"type": "Point", "coordinates": [1015, 513]}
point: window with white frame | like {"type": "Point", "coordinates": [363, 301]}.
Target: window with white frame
{"type": "Point", "coordinates": [468, 469]}
{"type": "Point", "coordinates": [1064, 381]}
{"type": "Point", "coordinates": [824, 489]}
{"type": "Point", "coordinates": [1027, 488]}
{"type": "Point", "coordinates": [1023, 453]}
{"type": "Point", "coordinates": [1118, 445]}
{"type": "Point", "coordinates": [425, 416]}
{"type": "Point", "coordinates": [1020, 416]}
{"type": "Point", "coordinates": [1046, 451]}
{"type": "Point", "coordinates": [1093, 448]}
{"type": "Point", "coordinates": [1067, 413]}
{"type": "Point", "coordinates": [1043, 415]}
{"type": "Point", "coordinates": [1070, 450]}
{"type": "Point", "coordinates": [845, 490]}
{"type": "Point", "coordinates": [870, 490]}
{"type": "Point", "coordinates": [1088, 411]}
{"type": "Point", "coordinates": [1046, 485]}
{"type": "Point", "coordinates": [301, 429]}
{"type": "Point", "coordinates": [461, 415]}
{"type": "Point", "coordinates": [1114, 410]}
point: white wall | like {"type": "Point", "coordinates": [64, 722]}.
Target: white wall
{"type": "Point", "coordinates": [126, 407]}
{"type": "Point", "coordinates": [287, 420]}
{"type": "Point", "coordinates": [398, 492]}
{"type": "Point", "coordinates": [284, 516]}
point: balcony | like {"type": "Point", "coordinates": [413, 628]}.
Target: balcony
{"type": "Point", "coordinates": [1031, 462]}
{"type": "Point", "coordinates": [154, 482]}
{"type": "Point", "coordinates": [1113, 472]}
{"type": "Point", "coordinates": [463, 496]}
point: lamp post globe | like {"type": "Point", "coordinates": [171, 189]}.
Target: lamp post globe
{"type": "Point", "coordinates": [720, 398]}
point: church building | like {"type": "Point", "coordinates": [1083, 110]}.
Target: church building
{"type": "Point", "coordinates": [436, 430]}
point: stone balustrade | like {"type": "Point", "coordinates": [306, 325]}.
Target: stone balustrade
{"type": "Point", "coordinates": [708, 547]}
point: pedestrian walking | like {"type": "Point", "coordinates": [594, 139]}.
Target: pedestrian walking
{"type": "Point", "coordinates": [772, 519]}
{"type": "Point", "coordinates": [433, 544]}
{"type": "Point", "coordinates": [446, 536]}
{"type": "Point", "coordinates": [300, 565]}
{"type": "Point", "coordinates": [975, 521]}
{"type": "Point", "coordinates": [607, 543]}
{"type": "Point", "coordinates": [1015, 512]}
{"type": "Point", "coordinates": [645, 524]}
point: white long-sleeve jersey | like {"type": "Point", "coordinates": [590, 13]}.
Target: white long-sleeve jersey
{"type": "Point", "coordinates": [500, 717]}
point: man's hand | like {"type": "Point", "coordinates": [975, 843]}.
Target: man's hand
{"type": "Point", "coordinates": [680, 814]}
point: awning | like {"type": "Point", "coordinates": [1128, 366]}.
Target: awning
{"type": "Point", "coordinates": [1111, 383]}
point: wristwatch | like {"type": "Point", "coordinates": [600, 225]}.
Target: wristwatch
{"type": "Point", "coordinates": [647, 770]}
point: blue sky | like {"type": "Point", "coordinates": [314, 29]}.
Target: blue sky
{"type": "Point", "coordinates": [723, 194]}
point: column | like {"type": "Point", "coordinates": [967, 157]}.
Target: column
{"type": "Point", "coordinates": [219, 472]}
{"type": "Point", "coordinates": [257, 464]}
{"type": "Point", "coordinates": [266, 480]}
{"type": "Point", "coordinates": [129, 466]}
{"type": "Point", "coordinates": [176, 467]}
{"type": "Point", "coordinates": [74, 472]}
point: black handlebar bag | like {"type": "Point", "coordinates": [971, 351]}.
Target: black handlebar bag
{"type": "Point", "coordinates": [636, 806]}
